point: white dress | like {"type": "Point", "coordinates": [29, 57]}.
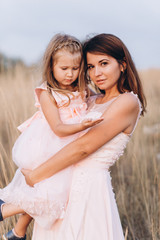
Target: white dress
{"type": "Point", "coordinates": [92, 212]}
{"type": "Point", "coordinates": [46, 201]}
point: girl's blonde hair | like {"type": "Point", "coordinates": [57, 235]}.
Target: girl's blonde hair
{"type": "Point", "coordinates": [57, 43]}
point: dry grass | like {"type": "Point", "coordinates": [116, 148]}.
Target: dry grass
{"type": "Point", "coordinates": [16, 104]}
{"type": "Point", "coordinates": [135, 177]}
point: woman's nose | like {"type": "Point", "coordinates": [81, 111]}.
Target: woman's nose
{"type": "Point", "coordinates": [97, 71]}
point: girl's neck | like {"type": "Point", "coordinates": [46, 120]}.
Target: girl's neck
{"type": "Point", "coordinates": [69, 88]}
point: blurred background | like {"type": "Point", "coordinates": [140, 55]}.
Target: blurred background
{"type": "Point", "coordinates": [26, 27]}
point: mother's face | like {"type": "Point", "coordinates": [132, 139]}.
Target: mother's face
{"type": "Point", "coordinates": [103, 70]}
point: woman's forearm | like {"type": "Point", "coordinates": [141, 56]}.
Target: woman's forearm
{"type": "Point", "coordinates": [69, 155]}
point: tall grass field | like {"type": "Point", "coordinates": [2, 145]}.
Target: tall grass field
{"type": "Point", "coordinates": [135, 177]}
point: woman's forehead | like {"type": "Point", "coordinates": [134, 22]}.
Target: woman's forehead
{"type": "Point", "coordinates": [92, 57]}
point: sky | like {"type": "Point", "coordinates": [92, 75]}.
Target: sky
{"type": "Point", "coordinates": [26, 26]}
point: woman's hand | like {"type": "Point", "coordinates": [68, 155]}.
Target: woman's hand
{"type": "Point", "coordinates": [27, 175]}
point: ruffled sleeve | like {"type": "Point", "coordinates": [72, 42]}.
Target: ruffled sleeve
{"type": "Point", "coordinates": [38, 114]}
{"type": "Point", "coordinates": [37, 91]}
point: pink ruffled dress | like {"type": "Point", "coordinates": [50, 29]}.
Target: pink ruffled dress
{"type": "Point", "coordinates": [46, 201]}
{"type": "Point", "coordinates": [91, 213]}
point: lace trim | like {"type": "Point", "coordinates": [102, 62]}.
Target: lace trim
{"type": "Point", "coordinates": [34, 207]}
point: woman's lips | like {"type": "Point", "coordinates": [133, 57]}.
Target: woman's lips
{"type": "Point", "coordinates": [100, 81]}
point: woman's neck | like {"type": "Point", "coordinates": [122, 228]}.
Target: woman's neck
{"type": "Point", "coordinates": [107, 96]}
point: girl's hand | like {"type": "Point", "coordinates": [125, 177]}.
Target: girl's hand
{"type": "Point", "coordinates": [87, 123]}
{"type": "Point", "coordinates": [27, 174]}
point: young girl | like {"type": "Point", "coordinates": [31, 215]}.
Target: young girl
{"type": "Point", "coordinates": [60, 99]}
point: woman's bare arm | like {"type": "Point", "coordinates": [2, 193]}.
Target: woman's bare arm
{"type": "Point", "coordinates": [120, 117]}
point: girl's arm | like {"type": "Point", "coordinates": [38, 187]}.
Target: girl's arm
{"type": "Point", "coordinates": [52, 116]}
{"type": "Point", "coordinates": [120, 117]}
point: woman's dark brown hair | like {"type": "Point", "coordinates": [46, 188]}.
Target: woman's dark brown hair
{"type": "Point", "coordinates": [111, 45]}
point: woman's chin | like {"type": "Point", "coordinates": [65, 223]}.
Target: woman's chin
{"type": "Point", "coordinates": [101, 87]}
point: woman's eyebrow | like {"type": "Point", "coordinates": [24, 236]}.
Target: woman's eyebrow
{"type": "Point", "coordinates": [104, 59]}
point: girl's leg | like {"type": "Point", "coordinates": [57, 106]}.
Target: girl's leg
{"type": "Point", "coordinates": [9, 210]}
{"type": "Point", "coordinates": [19, 232]}
{"type": "Point", "coordinates": [22, 224]}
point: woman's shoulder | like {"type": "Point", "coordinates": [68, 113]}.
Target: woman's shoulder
{"type": "Point", "coordinates": [128, 101]}
{"type": "Point", "coordinates": [131, 99]}
{"type": "Point", "coordinates": [129, 96]}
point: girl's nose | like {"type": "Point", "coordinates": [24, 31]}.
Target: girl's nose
{"type": "Point", "coordinates": [69, 73]}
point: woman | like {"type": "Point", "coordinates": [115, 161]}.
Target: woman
{"type": "Point", "coordinates": [92, 211]}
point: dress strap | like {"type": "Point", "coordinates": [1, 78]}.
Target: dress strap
{"type": "Point", "coordinates": [139, 113]}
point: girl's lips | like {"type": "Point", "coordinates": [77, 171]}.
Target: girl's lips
{"type": "Point", "coordinates": [68, 80]}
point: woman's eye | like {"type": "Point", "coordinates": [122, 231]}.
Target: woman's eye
{"type": "Point", "coordinates": [89, 67]}
{"type": "Point", "coordinates": [104, 63]}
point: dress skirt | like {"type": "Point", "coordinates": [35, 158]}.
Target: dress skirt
{"type": "Point", "coordinates": [92, 210]}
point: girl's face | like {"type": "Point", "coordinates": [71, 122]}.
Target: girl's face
{"type": "Point", "coordinates": [66, 68]}
{"type": "Point", "coordinates": [104, 71]}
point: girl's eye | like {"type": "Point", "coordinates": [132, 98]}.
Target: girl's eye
{"type": "Point", "coordinates": [75, 68]}
{"type": "Point", "coordinates": [64, 68]}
